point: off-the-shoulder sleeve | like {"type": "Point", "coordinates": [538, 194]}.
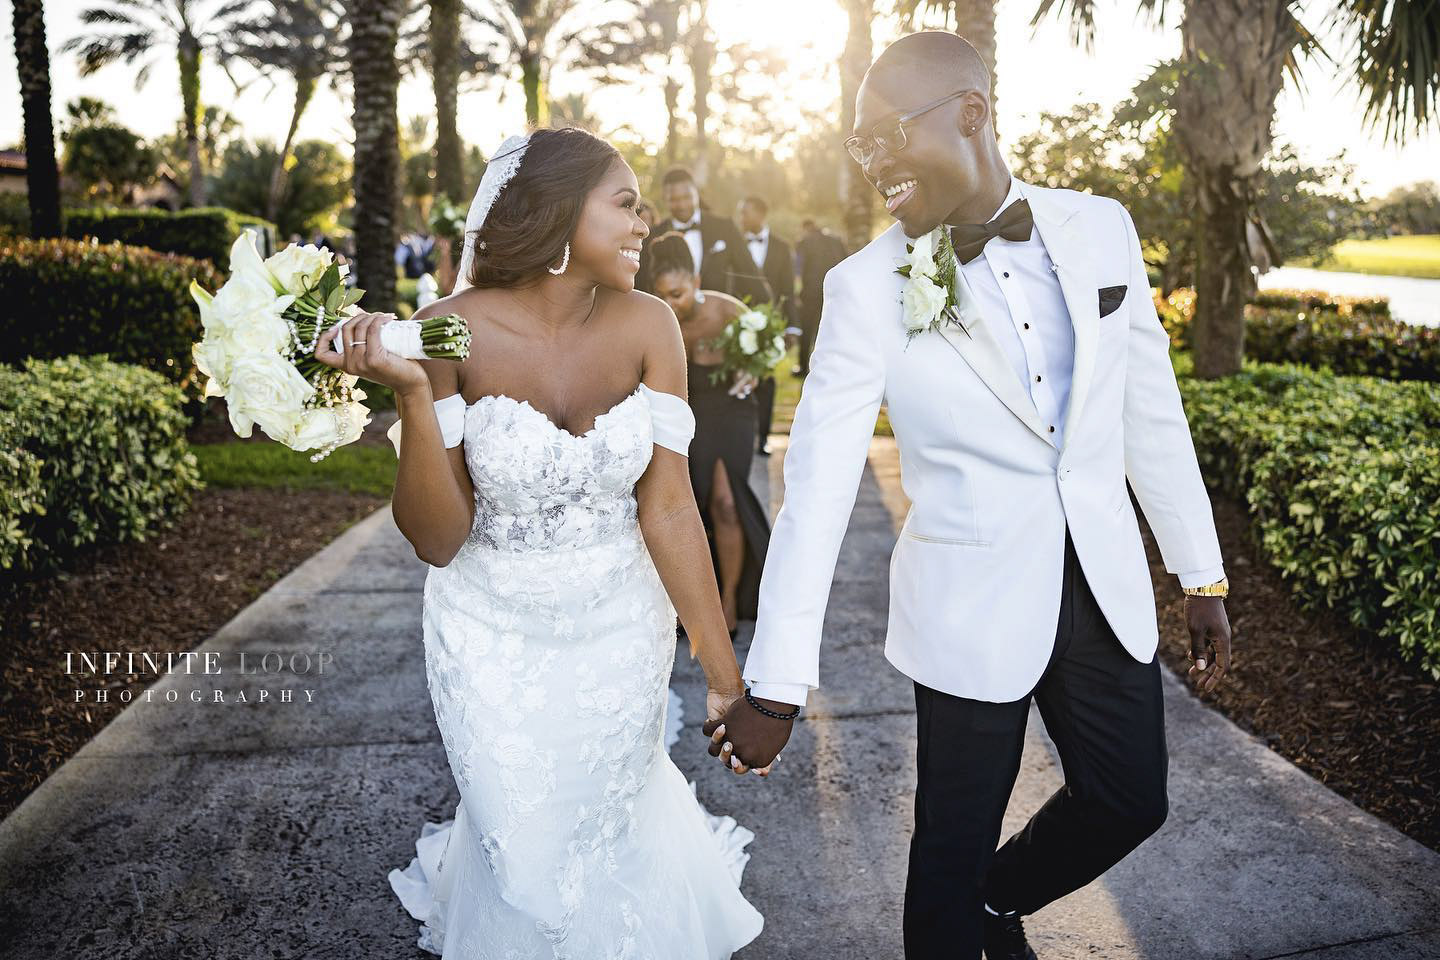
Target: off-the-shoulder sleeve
{"type": "Point", "coordinates": [450, 412]}
{"type": "Point", "coordinates": [672, 420]}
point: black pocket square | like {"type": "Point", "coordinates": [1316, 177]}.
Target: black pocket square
{"type": "Point", "coordinates": [1110, 298]}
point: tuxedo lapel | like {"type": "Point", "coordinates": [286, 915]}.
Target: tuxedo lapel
{"type": "Point", "coordinates": [985, 356]}
{"type": "Point", "coordinates": [1076, 271]}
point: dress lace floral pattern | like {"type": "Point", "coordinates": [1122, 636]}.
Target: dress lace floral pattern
{"type": "Point", "coordinates": [549, 642]}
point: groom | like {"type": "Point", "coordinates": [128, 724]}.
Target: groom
{"type": "Point", "coordinates": [1020, 570]}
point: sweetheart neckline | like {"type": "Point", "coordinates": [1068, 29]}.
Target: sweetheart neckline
{"type": "Point", "coordinates": [546, 417]}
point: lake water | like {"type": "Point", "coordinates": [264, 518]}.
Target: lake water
{"type": "Point", "coordinates": [1412, 299]}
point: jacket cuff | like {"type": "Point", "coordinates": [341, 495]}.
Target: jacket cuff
{"type": "Point", "coordinates": [1201, 578]}
{"type": "Point", "coordinates": [792, 693]}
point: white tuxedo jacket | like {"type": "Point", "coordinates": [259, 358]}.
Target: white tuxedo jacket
{"type": "Point", "coordinates": [975, 576]}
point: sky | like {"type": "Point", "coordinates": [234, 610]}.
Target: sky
{"type": "Point", "coordinates": [1038, 70]}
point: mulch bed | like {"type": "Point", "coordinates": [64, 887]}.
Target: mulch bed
{"type": "Point", "coordinates": [169, 593]}
{"type": "Point", "coordinates": [1341, 705]}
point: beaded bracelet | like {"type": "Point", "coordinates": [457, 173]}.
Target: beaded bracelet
{"type": "Point", "coordinates": [750, 699]}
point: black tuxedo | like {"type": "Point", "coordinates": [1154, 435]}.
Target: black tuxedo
{"type": "Point", "coordinates": [817, 252]}
{"type": "Point", "coordinates": [779, 272]}
{"type": "Point", "coordinates": [725, 264]}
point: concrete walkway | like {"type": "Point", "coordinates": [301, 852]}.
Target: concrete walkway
{"type": "Point", "coordinates": [265, 829]}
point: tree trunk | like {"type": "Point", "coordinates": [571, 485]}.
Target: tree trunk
{"type": "Point", "coordinates": [975, 21]}
{"type": "Point", "coordinates": [375, 27]}
{"type": "Point", "coordinates": [1233, 55]}
{"type": "Point", "coordinates": [672, 121]}
{"type": "Point", "coordinates": [859, 200]}
{"type": "Point", "coordinates": [32, 59]}
{"type": "Point", "coordinates": [445, 76]}
{"type": "Point", "coordinates": [189, 57]}
{"type": "Point", "coordinates": [304, 90]}
{"type": "Point", "coordinates": [537, 107]}
{"type": "Point", "coordinates": [702, 59]}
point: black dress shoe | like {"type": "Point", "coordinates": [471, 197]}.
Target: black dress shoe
{"type": "Point", "coordinates": [763, 450]}
{"type": "Point", "coordinates": [1005, 938]}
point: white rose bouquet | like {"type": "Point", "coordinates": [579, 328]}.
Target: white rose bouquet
{"type": "Point", "coordinates": [752, 343]}
{"type": "Point", "coordinates": [258, 350]}
{"type": "Point", "coordinates": [933, 294]}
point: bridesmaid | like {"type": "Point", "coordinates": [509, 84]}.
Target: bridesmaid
{"type": "Point", "coordinates": [726, 426]}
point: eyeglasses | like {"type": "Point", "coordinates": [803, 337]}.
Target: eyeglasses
{"type": "Point", "coordinates": [891, 134]}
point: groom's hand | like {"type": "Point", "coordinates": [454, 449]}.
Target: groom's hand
{"type": "Point", "coordinates": [1209, 641]}
{"type": "Point", "coordinates": [746, 738]}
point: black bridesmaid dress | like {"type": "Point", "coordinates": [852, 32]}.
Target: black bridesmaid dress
{"type": "Point", "coordinates": [726, 429]}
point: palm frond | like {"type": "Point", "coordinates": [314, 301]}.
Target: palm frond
{"type": "Point", "coordinates": [1396, 61]}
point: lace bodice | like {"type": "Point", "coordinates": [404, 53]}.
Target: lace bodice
{"type": "Point", "coordinates": [538, 486]}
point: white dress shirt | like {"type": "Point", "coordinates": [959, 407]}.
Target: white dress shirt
{"type": "Point", "coordinates": [759, 248]}
{"type": "Point", "coordinates": [693, 240]}
{"type": "Point", "coordinates": [1021, 299]}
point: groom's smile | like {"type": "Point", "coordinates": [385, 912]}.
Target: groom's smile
{"type": "Point", "coordinates": [897, 191]}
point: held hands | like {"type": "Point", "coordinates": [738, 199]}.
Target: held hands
{"type": "Point", "coordinates": [366, 357]}
{"type": "Point", "coordinates": [745, 739]}
{"type": "Point", "coordinates": [1209, 652]}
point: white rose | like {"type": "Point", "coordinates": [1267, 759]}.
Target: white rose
{"type": "Point", "coordinates": [268, 390]}
{"type": "Point", "coordinates": [753, 320]}
{"type": "Point", "coordinates": [749, 343]}
{"type": "Point", "coordinates": [213, 360]}
{"type": "Point", "coordinates": [324, 426]}
{"type": "Point", "coordinates": [299, 266]}
{"type": "Point", "coordinates": [923, 300]}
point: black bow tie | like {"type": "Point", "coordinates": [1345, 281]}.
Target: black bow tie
{"type": "Point", "coordinates": [692, 225]}
{"type": "Point", "coordinates": [754, 237]}
{"type": "Point", "coordinates": [1013, 223]}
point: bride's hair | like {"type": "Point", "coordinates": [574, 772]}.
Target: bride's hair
{"type": "Point", "coordinates": [527, 228]}
{"type": "Point", "coordinates": [670, 252]}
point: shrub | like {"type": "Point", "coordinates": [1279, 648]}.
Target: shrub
{"type": "Point", "coordinates": [74, 296]}
{"type": "Point", "coordinates": [109, 441]}
{"type": "Point", "coordinates": [21, 493]}
{"type": "Point", "coordinates": [204, 233]}
{"type": "Point", "coordinates": [1346, 335]}
{"type": "Point", "coordinates": [1342, 478]}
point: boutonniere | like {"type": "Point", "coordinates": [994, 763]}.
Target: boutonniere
{"type": "Point", "coordinates": [933, 295]}
{"type": "Point", "coordinates": [719, 247]}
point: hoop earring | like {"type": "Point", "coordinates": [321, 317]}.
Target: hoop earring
{"type": "Point", "coordinates": [564, 261]}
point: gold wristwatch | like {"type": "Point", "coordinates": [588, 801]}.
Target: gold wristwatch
{"type": "Point", "coordinates": [1220, 588]}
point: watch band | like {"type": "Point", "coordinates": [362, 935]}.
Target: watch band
{"type": "Point", "coordinates": [1220, 588]}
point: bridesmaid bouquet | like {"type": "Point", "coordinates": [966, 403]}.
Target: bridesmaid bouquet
{"type": "Point", "coordinates": [752, 343]}
{"type": "Point", "coordinates": [258, 351]}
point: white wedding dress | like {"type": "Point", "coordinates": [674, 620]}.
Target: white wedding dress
{"type": "Point", "coordinates": [549, 641]}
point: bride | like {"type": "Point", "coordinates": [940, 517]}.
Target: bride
{"type": "Point", "coordinates": [544, 480]}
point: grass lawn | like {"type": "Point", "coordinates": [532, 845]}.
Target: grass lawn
{"type": "Point", "coordinates": [357, 468]}
{"type": "Point", "coordinates": [1417, 256]}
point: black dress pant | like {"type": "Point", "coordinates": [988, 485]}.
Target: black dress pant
{"type": "Point", "coordinates": [765, 405]}
{"type": "Point", "coordinates": [1105, 713]}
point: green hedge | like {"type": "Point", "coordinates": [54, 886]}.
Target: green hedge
{"type": "Point", "coordinates": [113, 462]}
{"type": "Point", "coordinates": [1345, 335]}
{"type": "Point", "coordinates": [1342, 476]}
{"type": "Point", "coordinates": [204, 233]}
{"type": "Point", "coordinates": [76, 296]}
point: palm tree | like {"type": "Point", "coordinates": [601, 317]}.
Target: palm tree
{"type": "Point", "coordinates": [536, 34]}
{"type": "Point", "coordinates": [444, 36]}
{"type": "Point", "coordinates": [859, 203]}
{"type": "Point", "coordinates": [1235, 55]}
{"type": "Point", "coordinates": [301, 39]}
{"type": "Point", "coordinates": [32, 61]}
{"type": "Point", "coordinates": [374, 32]}
{"type": "Point", "coordinates": [973, 19]}
{"type": "Point", "coordinates": [131, 30]}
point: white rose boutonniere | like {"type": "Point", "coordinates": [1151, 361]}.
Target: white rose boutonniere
{"type": "Point", "coordinates": [932, 296]}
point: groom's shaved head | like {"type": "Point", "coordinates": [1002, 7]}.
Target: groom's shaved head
{"type": "Point", "coordinates": [942, 158]}
{"type": "Point", "coordinates": [934, 62]}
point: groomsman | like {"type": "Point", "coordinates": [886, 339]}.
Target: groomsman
{"type": "Point", "coordinates": [817, 252]}
{"type": "Point", "coordinates": [777, 263]}
{"type": "Point", "coordinates": [715, 242]}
